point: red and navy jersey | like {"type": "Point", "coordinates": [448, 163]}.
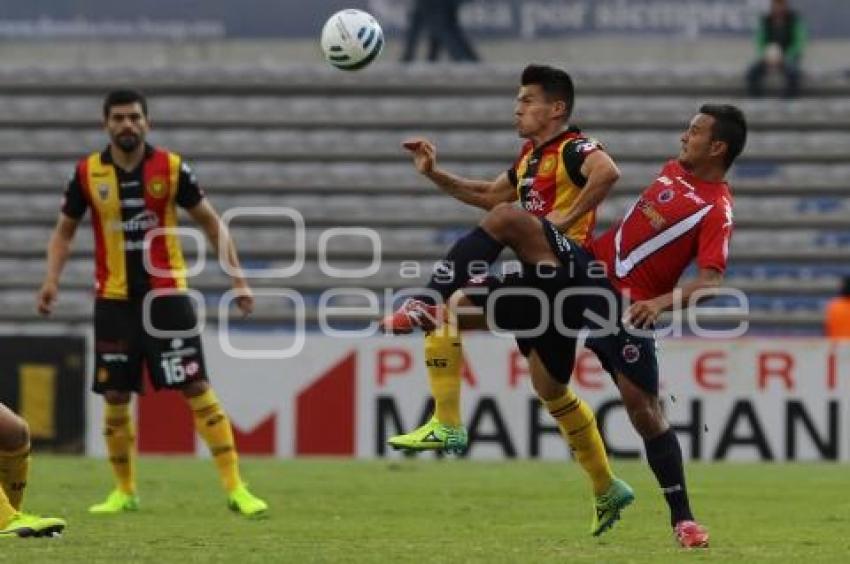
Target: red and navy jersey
{"type": "Point", "coordinates": [677, 219]}
{"type": "Point", "coordinates": [549, 178]}
{"type": "Point", "coordinates": [126, 205]}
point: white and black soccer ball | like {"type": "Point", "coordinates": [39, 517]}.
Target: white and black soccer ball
{"type": "Point", "coordinates": [352, 39]}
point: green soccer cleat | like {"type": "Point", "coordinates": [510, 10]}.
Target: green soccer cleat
{"type": "Point", "coordinates": [117, 502]}
{"type": "Point", "coordinates": [607, 506]}
{"type": "Point", "coordinates": [245, 503]}
{"type": "Point", "coordinates": [433, 435]}
{"type": "Point", "coordinates": [25, 525]}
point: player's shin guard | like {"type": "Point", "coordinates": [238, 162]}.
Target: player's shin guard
{"type": "Point", "coordinates": [213, 425]}
{"type": "Point", "coordinates": [14, 468]}
{"type": "Point", "coordinates": [121, 445]}
{"type": "Point", "coordinates": [444, 359]}
{"type": "Point", "coordinates": [665, 458]}
{"type": "Point", "coordinates": [578, 426]}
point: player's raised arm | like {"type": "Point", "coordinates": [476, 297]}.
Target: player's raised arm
{"type": "Point", "coordinates": [479, 193]}
{"type": "Point", "coordinates": [219, 237]}
{"type": "Point", "coordinates": [58, 250]}
{"type": "Point", "coordinates": [601, 173]}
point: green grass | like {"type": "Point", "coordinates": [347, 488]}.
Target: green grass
{"type": "Point", "coordinates": [432, 511]}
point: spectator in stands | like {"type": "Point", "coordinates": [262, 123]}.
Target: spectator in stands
{"type": "Point", "coordinates": [837, 324]}
{"type": "Point", "coordinates": [440, 21]}
{"type": "Point", "coordinates": [780, 41]}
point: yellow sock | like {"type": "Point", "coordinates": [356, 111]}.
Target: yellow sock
{"type": "Point", "coordinates": [213, 425]}
{"type": "Point", "coordinates": [121, 445]}
{"type": "Point", "coordinates": [578, 426]}
{"type": "Point", "coordinates": [6, 510]}
{"type": "Point", "coordinates": [444, 358]}
{"type": "Point", "coordinates": [14, 468]}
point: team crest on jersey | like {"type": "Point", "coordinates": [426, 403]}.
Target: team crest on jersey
{"type": "Point", "coordinates": [157, 187]}
{"type": "Point", "coordinates": [103, 191]}
{"type": "Point", "coordinates": [665, 196]}
{"type": "Point", "coordinates": [548, 165]}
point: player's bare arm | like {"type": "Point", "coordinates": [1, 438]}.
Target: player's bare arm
{"type": "Point", "coordinates": [218, 236]}
{"type": "Point", "coordinates": [601, 173]}
{"type": "Point", "coordinates": [58, 250]}
{"type": "Point", "coordinates": [644, 313]}
{"type": "Point", "coordinates": [479, 193]}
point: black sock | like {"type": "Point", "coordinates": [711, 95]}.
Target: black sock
{"type": "Point", "coordinates": [453, 271]}
{"type": "Point", "coordinates": [665, 459]}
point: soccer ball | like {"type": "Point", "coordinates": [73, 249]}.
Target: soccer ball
{"type": "Point", "coordinates": [352, 39]}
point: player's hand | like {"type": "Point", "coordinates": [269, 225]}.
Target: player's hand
{"type": "Point", "coordinates": [46, 297]}
{"type": "Point", "coordinates": [424, 154]}
{"type": "Point", "coordinates": [244, 297]}
{"type": "Point", "coordinates": [642, 315]}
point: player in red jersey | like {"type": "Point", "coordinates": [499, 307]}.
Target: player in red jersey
{"type": "Point", "coordinates": [684, 215]}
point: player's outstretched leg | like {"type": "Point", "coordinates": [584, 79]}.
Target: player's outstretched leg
{"type": "Point", "coordinates": [443, 361]}
{"type": "Point", "coordinates": [502, 225]}
{"type": "Point", "coordinates": [14, 468]}
{"type": "Point", "coordinates": [120, 439]}
{"type": "Point", "coordinates": [213, 425]}
{"type": "Point", "coordinates": [665, 458]}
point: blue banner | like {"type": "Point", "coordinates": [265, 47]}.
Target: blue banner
{"type": "Point", "coordinates": [185, 20]}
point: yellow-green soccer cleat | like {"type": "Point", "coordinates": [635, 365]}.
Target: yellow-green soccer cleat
{"type": "Point", "coordinates": [117, 502]}
{"type": "Point", "coordinates": [433, 435]}
{"type": "Point", "coordinates": [244, 502]}
{"type": "Point", "coordinates": [607, 506]}
{"type": "Point", "coordinates": [25, 525]}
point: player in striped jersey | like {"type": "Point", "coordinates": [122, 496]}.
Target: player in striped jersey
{"type": "Point", "coordinates": [133, 190]}
{"type": "Point", "coordinates": [684, 216]}
{"type": "Point", "coordinates": [560, 176]}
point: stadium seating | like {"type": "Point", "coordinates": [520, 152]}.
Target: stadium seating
{"type": "Point", "coordinates": [327, 144]}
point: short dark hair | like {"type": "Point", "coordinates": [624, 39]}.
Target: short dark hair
{"type": "Point", "coordinates": [556, 83]}
{"type": "Point", "coordinates": [730, 127]}
{"type": "Point", "coordinates": [124, 96]}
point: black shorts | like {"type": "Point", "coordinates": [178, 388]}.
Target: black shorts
{"type": "Point", "coordinates": [522, 302]}
{"type": "Point", "coordinates": [620, 350]}
{"type": "Point", "coordinates": [123, 348]}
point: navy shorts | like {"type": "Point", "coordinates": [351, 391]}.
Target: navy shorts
{"type": "Point", "coordinates": [522, 302]}
{"type": "Point", "coordinates": [620, 350]}
{"type": "Point", "coordinates": [123, 348]}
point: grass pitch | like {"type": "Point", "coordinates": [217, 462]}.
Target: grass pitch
{"type": "Point", "coordinates": [429, 510]}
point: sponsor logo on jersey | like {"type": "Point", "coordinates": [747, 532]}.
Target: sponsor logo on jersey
{"type": "Point", "coordinates": [533, 201]}
{"type": "Point", "coordinates": [694, 197]}
{"type": "Point", "coordinates": [655, 218]}
{"type": "Point", "coordinates": [142, 221]}
{"type": "Point", "coordinates": [587, 146]}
